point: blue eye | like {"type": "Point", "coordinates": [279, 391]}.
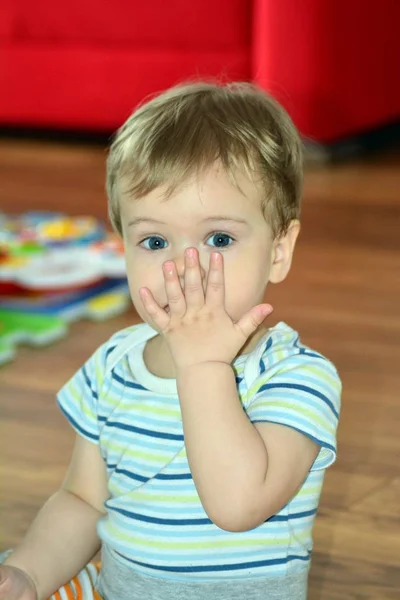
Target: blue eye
{"type": "Point", "coordinates": [221, 240]}
{"type": "Point", "coordinates": [154, 242]}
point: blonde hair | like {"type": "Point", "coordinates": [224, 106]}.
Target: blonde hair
{"type": "Point", "coordinates": [184, 130]}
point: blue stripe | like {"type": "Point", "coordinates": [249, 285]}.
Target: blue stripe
{"type": "Point", "coordinates": [302, 388]}
{"type": "Point", "coordinates": [174, 476]}
{"type": "Point", "coordinates": [197, 557]}
{"type": "Point", "coordinates": [206, 533]}
{"type": "Point", "coordinates": [76, 425]}
{"type": "Point", "coordinates": [132, 475]}
{"type": "Point", "coordinates": [232, 567]}
{"type": "Point", "coordinates": [86, 378]}
{"type": "Point", "coordinates": [88, 382]}
{"type": "Point", "coordinates": [262, 364]}
{"type": "Point", "coordinates": [184, 522]}
{"type": "Point", "coordinates": [309, 379]}
{"type": "Point", "coordinates": [269, 344]}
{"type": "Point", "coordinates": [146, 519]}
{"type": "Point", "coordinates": [154, 434]}
{"type": "Point", "coordinates": [318, 441]}
{"type": "Point", "coordinates": [163, 476]}
{"type": "Point", "coordinates": [300, 515]}
{"type": "Point", "coordinates": [305, 352]}
{"type": "Point", "coordinates": [155, 420]}
{"type": "Point", "coordinates": [128, 384]}
{"type": "Point", "coordinates": [109, 351]}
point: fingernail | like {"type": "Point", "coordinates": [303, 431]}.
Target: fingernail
{"type": "Point", "coordinates": [168, 266]}
{"type": "Point", "coordinates": [190, 252]}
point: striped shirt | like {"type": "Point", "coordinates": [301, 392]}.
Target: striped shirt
{"type": "Point", "coordinates": [155, 521]}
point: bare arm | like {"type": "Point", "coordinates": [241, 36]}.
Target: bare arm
{"type": "Point", "coordinates": [62, 539]}
{"type": "Point", "coordinates": [243, 473]}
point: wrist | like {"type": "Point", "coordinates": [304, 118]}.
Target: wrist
{"type": "Point", "coordinates": [197, 369]}
{"type": "Point", "coordinates": [33, 584]}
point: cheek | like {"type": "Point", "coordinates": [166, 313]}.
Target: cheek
{"type": "Point", "coordinates": [142, 273]}
{"type": "Point", "coordinates": [245, 285]}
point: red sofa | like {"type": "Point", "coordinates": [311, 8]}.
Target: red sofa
{"type": "Point", "coordinates": [84, 64]}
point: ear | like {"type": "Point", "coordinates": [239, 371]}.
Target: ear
{"type": "Point", "coordinates": [282, 253]}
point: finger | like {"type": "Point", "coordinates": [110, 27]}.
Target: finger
{"type": "Point", "coordinates": [194, 293]}
{"type": "Point", "coordinates": [215, 290]}
{"type": "Point", "coordinates": [154, 311]}
{"type": "Point", "coordinates": [8, 583]}
{"type": "Point", "coordinates": [253, 319]}
{"type": "Point", "coordinates": [175, 296]}
{"type": "Point", "coordinates": [4, 574]}
{"type": "Point", "coordinates": [5, 585]}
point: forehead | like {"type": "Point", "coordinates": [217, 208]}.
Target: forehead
{"type": "Point", "coordinates": [212, 192]}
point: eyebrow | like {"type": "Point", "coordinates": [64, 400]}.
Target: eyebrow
{"type": "Point", "coordinates": [139, 220]}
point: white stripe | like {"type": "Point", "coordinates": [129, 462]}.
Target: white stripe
{"type": "Point", "coordinates": [86, 585]}
{"type": "Point", "coordinates": [63, 594]}
{"type": "Point", "coordinates": [93, 574]}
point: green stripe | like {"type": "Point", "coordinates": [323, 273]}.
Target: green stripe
{"type": "Point", "coordinates": [142, 407]}
{"type": "Point", "coordinates": [152, 457]}
{"type": "Point", "coordinates": [313, 490]}
{"type": "Point", "coordinates": [326, 376]}
{"type": "Point", "coordinates": [209, 544]}
{"type": "Point", "coordinates": [76, 394]}
{"type": "Point", "coordinates": [174, 498]}
{"type": "Point", "coordinates": [295, 408]}
{"type": "Point", "coordinates": [316, 370]}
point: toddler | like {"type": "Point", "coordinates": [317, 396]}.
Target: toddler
{"type": "Point", "coordinates": [202, 434]}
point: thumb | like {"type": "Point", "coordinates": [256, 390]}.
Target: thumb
{"type": "Point", "coordinates": [253, 319]}
{"type": "Point", "coordinates": [16, 584]}
{"type": "Point", "coordinates": [3, 574]}
{"type": "Point", "coordinates": [5, 581]}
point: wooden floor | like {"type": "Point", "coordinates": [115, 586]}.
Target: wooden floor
{"type": "Point", "coordinates": [343, 295]}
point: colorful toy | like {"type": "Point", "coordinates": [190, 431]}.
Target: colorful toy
{"type": "Point", "coordinates": [82, 255]}
{"type": "Point", "coordinates": [69, 303]}
{"type": "Point", "coordinates": [36, 330]}
{"type": "Point", "coordinates": [57, 267]}
{"type": "Point", "coordinates": [65, 269]}
{"type": "Point", "coordinates": [37, 231]}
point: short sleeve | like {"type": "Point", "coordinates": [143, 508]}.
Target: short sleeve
{"type": "Point", "coordinates": [304, 393]}
{"type": "Point", "coordinates": [78, 398]}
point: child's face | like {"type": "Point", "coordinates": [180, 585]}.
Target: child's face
{"type": "Point", "coordinates": [207, 213]}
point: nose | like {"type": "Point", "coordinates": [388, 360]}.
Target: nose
{"type": "Point", "coordinates": [180, 267]}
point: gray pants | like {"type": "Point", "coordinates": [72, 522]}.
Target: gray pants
{"type": "Point", "coordinates": [119, 582]}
